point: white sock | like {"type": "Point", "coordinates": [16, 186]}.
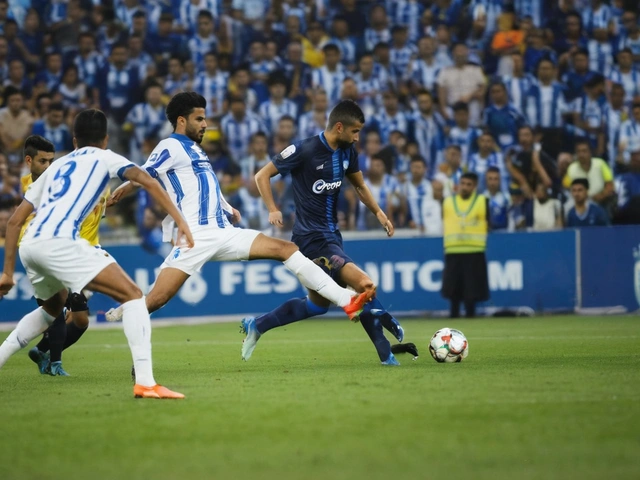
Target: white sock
{"type": "Point", "coordinates": [314, 278]}
{"type": "Point", "coordinates": [137, 328]}
{"type": "Point", "coordinates": [31, 325]}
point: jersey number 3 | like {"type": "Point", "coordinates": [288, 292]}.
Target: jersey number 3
{"type": "Point", "coordinates": [61, 181]}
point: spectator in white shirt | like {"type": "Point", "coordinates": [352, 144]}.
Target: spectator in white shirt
{"type": "Point", "coordinates": [547, 212]}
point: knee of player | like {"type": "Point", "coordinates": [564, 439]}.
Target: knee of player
{"type": "Point", "coordinates": [133, 293]}
{"type": "Point", "coordinates": [157, 300]}
{"type": "Point", "coordinates": [288, 249]}
{"type": "Point", "coordinates": [80, 319]}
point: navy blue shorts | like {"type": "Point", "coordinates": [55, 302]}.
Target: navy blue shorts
{"type": "Point", "coordinates": [325, 249]}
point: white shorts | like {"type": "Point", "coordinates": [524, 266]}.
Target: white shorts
{"type": "Point", "coordinates": [212, 245]}
{"type": "Point", "coordinates": [61, 263]}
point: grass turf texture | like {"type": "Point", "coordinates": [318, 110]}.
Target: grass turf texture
{"type": "Point", "coordinates": [537, 398]}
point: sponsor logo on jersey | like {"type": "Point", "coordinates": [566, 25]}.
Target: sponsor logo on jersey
{"type": "Point", "coordinates": [320, 186]}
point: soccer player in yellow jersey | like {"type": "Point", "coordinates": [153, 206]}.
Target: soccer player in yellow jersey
{"type": "Point", "coordinates": [70, 325]}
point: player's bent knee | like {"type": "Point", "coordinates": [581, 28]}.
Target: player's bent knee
{"type": "Point", "coordinates": [80, 319]}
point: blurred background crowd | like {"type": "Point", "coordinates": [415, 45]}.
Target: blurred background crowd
{"type": "Point", "coordinates": [529, 94]}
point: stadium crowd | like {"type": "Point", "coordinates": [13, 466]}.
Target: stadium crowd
{"type": "Point", "coordinates": [531, 95]}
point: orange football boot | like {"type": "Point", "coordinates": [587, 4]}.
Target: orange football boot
{"type": "Point", "coordinates": [354, 309]}
{"type": "Point", "coordinates": [157, 391]}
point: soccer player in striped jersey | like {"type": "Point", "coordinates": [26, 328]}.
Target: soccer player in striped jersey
{"type": "Point", "coordinates": [318, 166]}
{"type": "Point", "coordinates": [180, 164]}
{"type": "Point", "coordinates": [57, 260]}
{"type": "Point", "coordinates": [38, 155]}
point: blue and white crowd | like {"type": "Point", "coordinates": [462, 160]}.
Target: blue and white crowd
{"type": "Point", "coordinates": [529, 94]}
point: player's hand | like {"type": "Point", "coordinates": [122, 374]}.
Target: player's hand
{"type": "Point", "coordinates": [386, 223]}
{"type": "Point", "coordinates": [184, 235]}
{"type": "Point", "coordinates": [115, 197]}
{"type": "Point", "coordinates": [275, 218]}
{"type": "Point", "coordinates": [6, 284]}
{"type": "Point", "coordinates": [236, 217]}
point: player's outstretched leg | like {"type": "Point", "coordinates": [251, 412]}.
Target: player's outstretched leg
{"type": "Point", "coordinates": [56, 333]}
{"type": "Point", "coordinates": [40, 353]}
{"type": "Point", "coordinates": [387, 320]}
{"type": "Point", "coordinates": [30, 326]}
{"type": "Point", "coordinates": [289, 312]}
{"type": "Point", "coordinates": [79, 312]}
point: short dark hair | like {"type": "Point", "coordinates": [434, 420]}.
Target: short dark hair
{"type": "Point", "coordinates": [183, 104]}
{"type": "Point", "coordinates": [287, 118]}
{"type": "Point", "coordinates": [330, 47]}
{"type": "Point", "coordinates": [276, 78]}
{"type": "Point", "coordinates": [460, 107]}
{"type": "Point", "coordinates": [57, 106]}
{"type": "Point", "coordinates": [205, 13]}
{"type": "Point", "coordinates": [581, 181]}
{"type": "Point", "coordinates": [35, 143]}
{"type": "Point", "coordinates": [470, 176]}
{"type": "Point", "coordinates": [418, 158]}
{"type": "Point", "coordinates": [582, 141]}
{"type": "Point", "coordinates": [10, 91]}
{"type": "Point", "coordinates": [346, 112]}
{"type": "Point", "coordinates": [90, 128]}
{"type": "Point", "coordinates": [493, 169]}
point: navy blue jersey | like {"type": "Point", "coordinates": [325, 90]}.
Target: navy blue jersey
{"type": "Point", "coordinates": [317, 173]}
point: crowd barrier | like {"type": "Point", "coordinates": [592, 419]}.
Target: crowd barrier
{"type": "Point", "coordinates": [567, 270]}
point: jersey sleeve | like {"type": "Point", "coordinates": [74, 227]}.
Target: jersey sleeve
{"type": "Point", "coordinates": [33, 195]}
{"type": "Point", "coordinates": [288, 159]}
{"type": "Point", "coordinates": [160, 161]}
{"type": "Point", "coordinates": [354, 166]}
{"type": "Point", "coordinates": [117, 165]}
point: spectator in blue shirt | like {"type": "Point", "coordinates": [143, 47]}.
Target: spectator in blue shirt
{"type": "Point", "coordinates": [584, 213]}
{"type": "Point", "coordinates": [578, 76]}
{"type": "Point", "coordinates": [501, 118]}
{"type": "Point", "coordinates": [499, 200]}
{"type": "Point", "coordinates": [53, 128]}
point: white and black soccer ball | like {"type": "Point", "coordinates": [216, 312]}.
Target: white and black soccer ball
{"type": "Point", "coordinates": [449, 345]}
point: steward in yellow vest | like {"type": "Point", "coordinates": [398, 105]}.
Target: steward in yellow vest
{"type": "Point", "coordinates": [465, 220]}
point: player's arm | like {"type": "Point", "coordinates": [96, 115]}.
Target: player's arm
{"type": "Point", "coordinates": [263, 181]}
{"type": "Point", "coordinates": [124, 190]}
{"type": "Point", "coordinates": [139, 176]}
{"type": "Point", "coordinates": [11, 244]}
{"type": "Point", "coordinates": [364, 194]}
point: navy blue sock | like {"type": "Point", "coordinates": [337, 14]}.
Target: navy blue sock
{"type": "Point", "coordinates": [387, 320]}
{"type": "Point", "coordinates": [290, 311]}
{"type": "Point", "coordinates": [373, 328]}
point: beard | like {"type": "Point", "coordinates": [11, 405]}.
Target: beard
{"type": "Point", "coordinates": [344, 144]}
{"type": "Point", "coordinates": [195, 134]}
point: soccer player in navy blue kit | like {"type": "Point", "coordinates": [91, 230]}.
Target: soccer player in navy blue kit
{"type": "Point", "coordinates": [317, 166]}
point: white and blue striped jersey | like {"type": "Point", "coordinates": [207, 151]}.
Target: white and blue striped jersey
{"type": "Point", "coordinates": [213, 89]}
{"type": "Point", "coordinates": [599, 18]}
{"type": "Point", "coordinates": [237, 134]}
{"type": "Point", "coordinates": [490, 10]}
{"type": "Point", "coordinates": [347, 48]}
{"type": "Point", "coordinates": [591, 111]}
{"type": "Point", "coordinates": [466, 139]}
{"type": "Point", "coordinates": [632, 43]}
{"type": "Point", "coordinates": [479, 165]}
{"type": "Point", "coordinates": [531, 8]}
{"type": "Point", "coordinates": [173, 86]}
{"type": "Point", "coordinates": [147, 122]}
{"type": "Point", "coordinates": [401, 57]}
{"type": "Point", "coordinates": [385, 124]}
{"type": "Point", "coordinates": [199, 47]}
{"type": "Point", "coordinates": [613, 122]}
{"type": "Point", "coordinates": [429, 135]}
{"type": "Point", "coordinates": [546, 105]}
{"type": "Point", "coordinates": [424, 74]}
{"type": "Point", "coordinates": [72, 97]}
{"type": "Point", "coordinates": [630, 81]}
{"type": "Point", "coordinates": [369, 94]}
{"type": "Point", "coordinates": [408, 13]}
{"type": "Point", "coordinates": [184, 170]}
{"type": "Point", "coordinates": [630, 136]}
{"type": "Point", "coordinates": [271, 113]}
{"type": "Point", "coordinates": [373, 37]}
{"type": "Point", "coordinates": [600, 56]}
{"type": "Point", "coordinates": [89, 68]}
{"type": "Point", "coordinates": [518, 89]}
{"type": "Point", "coordinates": [69, 190]}
{"type": "Point", "coordinates": [308, 127]}
{"type": "Point", "coordinates": [414, 194]}
{"type": "Point", "coordinates": [330, 82]}
{"type": "Point", "coordinates": [187, 13]}
{"type": "Point", "coordinates": [382, 195]}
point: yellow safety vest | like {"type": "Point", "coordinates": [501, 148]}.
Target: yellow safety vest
{"type": "Point", "coordinates": [465, 224]}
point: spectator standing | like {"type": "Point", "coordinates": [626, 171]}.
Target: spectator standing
{"type": "Point", "coordinates": [547, 212]}
{"type": "Point", "coordinates": [501, 118]}
{"type": "Point", "coordinates": [314, 121]}
{"type": "Point", "coordinates": [15, 123]}
{"type": "Point", "coordinates": [413, 191]}
{"type": "Point", "coordinates": [525, 163]}
{"type": "Point", "coordinates": [431, 209]}
{"type": "Point", "coordinates": [627, 75]}
{"type": "Point", "coordinates": [203, 40]}
{"type": "Point", "coordinates": [596, 171]}
{"type": "Point", "coordinates": [391, 118]}
{"type": "Point", "coordinates": [330, 75]}
{"type": "Point", "coordinates": [53, 128]}
{"type": "Point", "coordinates": [144, 124]}
{"type": "Point", "coordinates": [499, 200]}
{"type": "Point", "coordinates": [378, 30]}
{"type": "Point", "coordinates": [428, 131]}
{"type": "Point", "coordinates": [518, 83]}
{"type": "Point", "coordinates": [629, 135]}
{"type": "Point", "coordinates": [486, 157]}
{"type": "Point", "coordinates": [238, 126]}
{"type": "Point", "coordinates": [212, 85]}
{"type": "Point", "coordinates": [278, 105]}
{"type": "Point", "coordinates": [450, 171]}
{"type": "Point", "coordinates": [461, 83]}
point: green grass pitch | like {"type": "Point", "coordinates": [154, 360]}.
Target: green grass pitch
{"type": "Point", "coordinates": [539, 398]}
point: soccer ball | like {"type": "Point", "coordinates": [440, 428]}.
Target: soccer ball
{"type": "Point", "coordinates": [449, 346]}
